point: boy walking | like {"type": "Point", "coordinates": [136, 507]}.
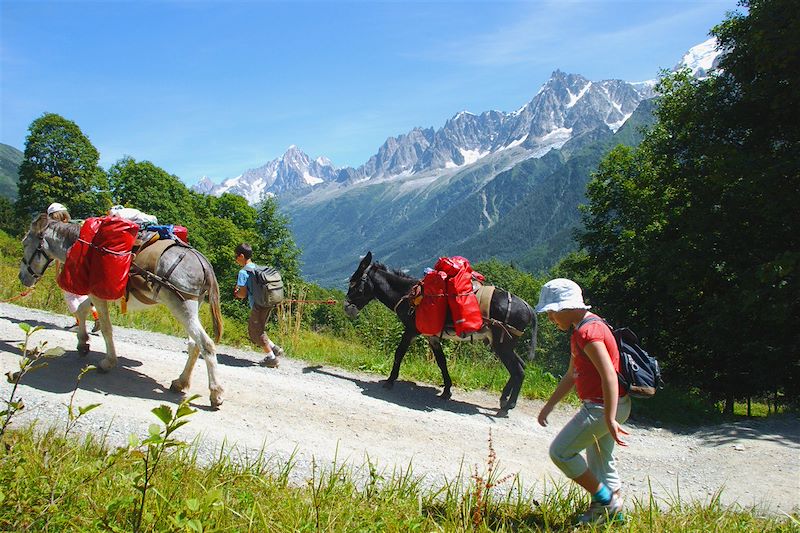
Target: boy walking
{"type": "Point", "coordinates": [593, 367]}
{"type": "Point", "coordinates": [258, 315]}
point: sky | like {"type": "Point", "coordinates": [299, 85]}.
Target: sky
{"type": "Point", "coordinates": [213, 88]}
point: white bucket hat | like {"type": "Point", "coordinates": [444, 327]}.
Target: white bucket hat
{"type": "Point", "coordinates": [558, 294]}
{"type": "Point", "coordinates": [55, 207]}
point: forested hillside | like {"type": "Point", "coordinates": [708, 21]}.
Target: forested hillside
{"type": "Point", "coordinates": [10, 158]}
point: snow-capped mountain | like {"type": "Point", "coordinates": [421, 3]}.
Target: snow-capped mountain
{"type": "Point", "coordinates": [565, 107]}
{"type": "Point", "coordinates": [701, 59]}
{"type": "Point", "coordinates": [292, 171]}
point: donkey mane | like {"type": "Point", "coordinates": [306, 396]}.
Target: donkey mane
{"type": "Point", "coordinates": [393, 272]}
{"type": "Point", "coordinates": [66, 231]}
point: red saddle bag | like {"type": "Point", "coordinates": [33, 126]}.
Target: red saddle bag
{"type": "Point", "coordinates": [432, 311]}
{"type": "Point", "coordinates": [99, 262]}
{"type": "Point", "coordinates": [463, 304]}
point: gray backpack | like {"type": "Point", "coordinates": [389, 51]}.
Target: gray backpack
{"type": "Point", "coordinates": [266, 286]}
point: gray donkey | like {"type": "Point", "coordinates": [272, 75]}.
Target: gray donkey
{"type": "Point", "coordinates": [190, 278]}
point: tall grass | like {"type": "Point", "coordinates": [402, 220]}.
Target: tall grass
{"type": "Point", "coordinates": [49, 483]}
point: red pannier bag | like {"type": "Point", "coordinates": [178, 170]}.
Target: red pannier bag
{"type": "Point", "coordinates": [432, 311]}
{"type": "Point", "coordinates": [75, 276]}
{"type": "Point", "coordinates": [99, 262]}
{"type": "Point", "coordinates": [181, 232]}
{"type": "Point", "coordinates": [463, 304]}
{"type": "Point", "coordinates": [452, 265]}
{"type": "Point", "coordinates": [110, 265]}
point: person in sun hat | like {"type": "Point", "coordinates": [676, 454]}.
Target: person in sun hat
{"type": "Point", "coordinates": [593, 367]}
{"type": "Point", "coordinates": [59, 213]}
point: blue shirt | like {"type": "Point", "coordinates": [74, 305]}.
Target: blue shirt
{"type": "Point", "coordinates": [243, 280]}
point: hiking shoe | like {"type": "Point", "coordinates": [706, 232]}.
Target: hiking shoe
{"type": "Point", "coordinates": [277, 351]}
{"type": "Point", "coordinates": [600, 514]}
{"type": "Point", "coordinates": [269, 362]}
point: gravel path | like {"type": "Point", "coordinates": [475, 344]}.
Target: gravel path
{"type": "Point", "coordinates": [323, 413]}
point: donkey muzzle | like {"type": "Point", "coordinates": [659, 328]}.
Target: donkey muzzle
{"type": "Point", "coordinates": [350, 310]}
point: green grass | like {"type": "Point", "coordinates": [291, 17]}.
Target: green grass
{"type": "Point", "coordinates": [49, 483]}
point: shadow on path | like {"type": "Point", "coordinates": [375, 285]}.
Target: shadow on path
{"type": "Point", "coordinates": [46, 324]}
{"type": "Point", "coordinates": [409, 394]}
{"type": "Point", "coordinates": [61, 374]}
{"type": "Point", "coordinates": [227, 359]}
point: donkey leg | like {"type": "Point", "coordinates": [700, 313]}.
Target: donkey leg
{"type": "Point", "coordinates": [185, 379]}
{"type": "Point", "coordinates": [110, 360]}
{"type": "Point", "coordinates": [83, 336]}
{"type": "Point", "coordinates": [399, 353]}
{"type": "Point", "coordinates": [504, 348]}
{"type": "Point", "coordinates": [186, 313]}
{"type": "Point", "coordinates": [441, 360]}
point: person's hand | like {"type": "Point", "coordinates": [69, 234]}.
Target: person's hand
{"type": "Point", "coordinates": [616, 431]}
{"type": "Point", "coordinates": [543, 415]}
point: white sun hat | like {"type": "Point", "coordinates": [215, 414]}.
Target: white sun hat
{"type": "Point", "coordinates": [55, 207]}
{"type": "Point", "coordinates": [558, 294]}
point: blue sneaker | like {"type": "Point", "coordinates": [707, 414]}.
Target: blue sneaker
{"type": "Point", "coordinates": [600, 514]}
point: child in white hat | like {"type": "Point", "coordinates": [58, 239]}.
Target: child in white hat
{"type": "Point", "coordinates": [58, 212]}
{"type": "Point", "coordinates": [593, 367]}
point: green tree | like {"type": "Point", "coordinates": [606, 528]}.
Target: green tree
{"type": "Point", "coordinates": [277, 247]}
{"type": "Point", "coordinates": [149, 188]}
{"type": "Point", "coordinates": [8, 221]}
{"type": "Point", "coordinates": [691, 238]}
{"type": "Point", "coordinates": [60, 164]}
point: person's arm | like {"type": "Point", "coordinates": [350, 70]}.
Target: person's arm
{"type": "Point", "coordinates": [240, 290]}
{"type": "Point", "coordinates": [562, 389]}
{"type": "Point", "coordinates": [598, 354]}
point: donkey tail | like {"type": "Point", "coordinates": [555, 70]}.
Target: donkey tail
{"type": "Point", "coordinates": [534, 334]}
{"type": "Point", "coordinates": [214, 302]}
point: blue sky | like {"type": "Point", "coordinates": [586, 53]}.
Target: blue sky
{"type": "Point", "coordinates": [214, 88]}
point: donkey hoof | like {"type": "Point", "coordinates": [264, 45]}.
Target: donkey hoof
{"type": "Point", "coordinates": [105, 366]}
{"type": "Point", "coordinates": [216, 399]}
{"type": "Point", "coordinates": [176, 386]}
{"type": "Point", "coordinates": [445, 395]}
{"type": "Point", "coordinates": [83, 349]}
{"type": "Point", "coordinates": [507, 405]}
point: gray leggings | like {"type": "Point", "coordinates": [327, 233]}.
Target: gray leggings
{"type": "Point", "coordinates": [588, 431]}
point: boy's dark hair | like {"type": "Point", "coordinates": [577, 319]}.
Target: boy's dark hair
{"type": "Point", "coordinates": [245, 250]}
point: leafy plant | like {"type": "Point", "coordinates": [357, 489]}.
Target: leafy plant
{"type": "Point", "coordinates": [32, 359]}
{"type": "Point", "coordinates": [153, 448]}
{"type": "Point", "coordinates": [74, 414]}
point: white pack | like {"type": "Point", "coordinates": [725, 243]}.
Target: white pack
{"type": "Point", "coordinates": [134, 215]}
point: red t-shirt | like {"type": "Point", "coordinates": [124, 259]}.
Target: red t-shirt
{"type": "Point", "coordinates": [587, 378]}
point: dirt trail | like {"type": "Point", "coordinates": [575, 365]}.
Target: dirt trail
{"type": "Point", "coordinates": [323, 413]}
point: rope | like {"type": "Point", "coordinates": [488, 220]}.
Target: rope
{"type": "Point", "coordinates": [330, 301]}
{"type": "Point", "coordinates": [23, 294]}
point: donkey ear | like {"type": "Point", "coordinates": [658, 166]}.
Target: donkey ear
{"type": "Point", "coordinates": [365, 262]}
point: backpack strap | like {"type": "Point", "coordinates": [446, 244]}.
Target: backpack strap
{"type": "Point", "coordinates": [623, 384]}
{"type": "Point", "coordinates": [589, 319]}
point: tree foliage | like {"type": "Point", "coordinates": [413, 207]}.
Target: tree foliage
{"type": "Point", "coordinates": [691, 238]}
{"type": "Point", "coordinates": [60, 164]}
{"type": "Point", "coordinates": [277, 246]}
{"type": "Point", "coordinates": [151, 189]}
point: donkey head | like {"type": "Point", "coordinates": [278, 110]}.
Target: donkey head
{"type": "Point", "coordinates": [35, 254]}
{"type": "Point", "coordinates": [360, 291]}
